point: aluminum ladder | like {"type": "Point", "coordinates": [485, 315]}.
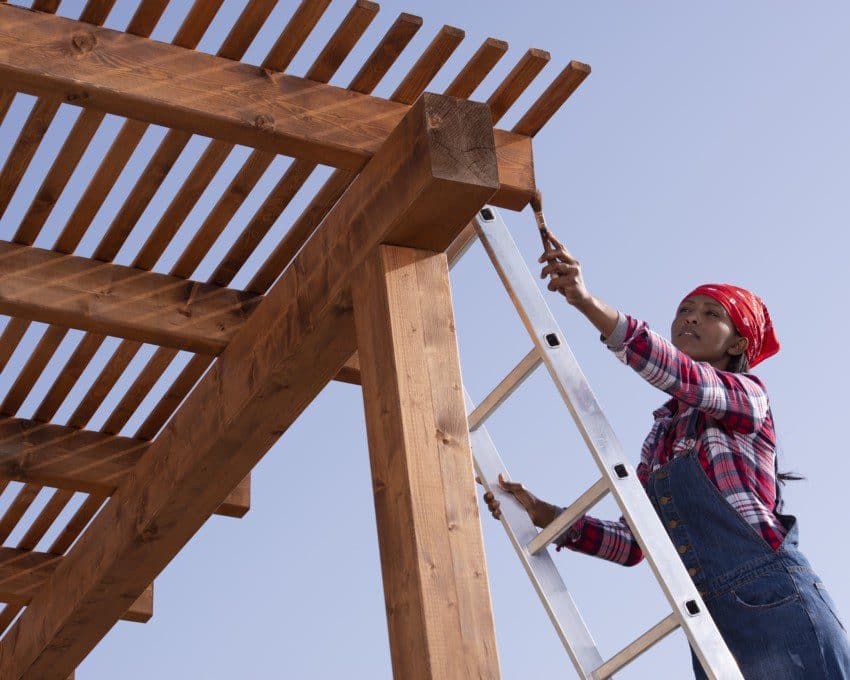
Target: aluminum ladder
{"type": "Point", "coordinates": [618, 478]}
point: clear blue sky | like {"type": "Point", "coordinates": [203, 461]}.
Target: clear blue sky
{"type": "Point", "coordinates": [709, 144]}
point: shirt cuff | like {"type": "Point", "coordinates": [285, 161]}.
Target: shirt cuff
{"type": "Point", "coordinates": [618, 335]}
{"type": "Point", "coordinates": [571, 535]}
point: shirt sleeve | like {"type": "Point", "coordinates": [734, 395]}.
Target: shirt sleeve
{"type": "Point", "coordinates": [737, 400]}
{"type": "Point", "coordinates": [608, 540]}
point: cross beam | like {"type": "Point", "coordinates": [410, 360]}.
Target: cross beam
{"type": "Point", "coordinates": [81, 460]}
{"type": "Point", "coordinates": [23, 572]}
{"type": "Point", "coordinates": [424, 184]}
{"type": "Point", "coordinates": [111, 299]}
{"type": "Point", "coordinates": [154, 82]}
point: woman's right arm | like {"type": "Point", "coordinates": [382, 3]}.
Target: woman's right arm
{"type": "Point", "coordinates": [612, 541]}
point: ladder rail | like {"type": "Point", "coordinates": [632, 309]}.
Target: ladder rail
{"type": "Point", "coordinates": [563, 367]}
{"type": "Point", "coordinates": [541, 569]}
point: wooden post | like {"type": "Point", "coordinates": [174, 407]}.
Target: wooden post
{"type": "Point", "coordinates": [435, 577]}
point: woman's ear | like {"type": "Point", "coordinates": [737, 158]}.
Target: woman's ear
{"type": "Point", "coordinates": [738, 347]}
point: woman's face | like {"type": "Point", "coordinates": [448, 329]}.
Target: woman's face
{"type": "Point", "coordinates": [703, 330]}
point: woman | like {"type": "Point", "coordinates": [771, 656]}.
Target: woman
{"type": "Point", "coordinates": [709, 469]}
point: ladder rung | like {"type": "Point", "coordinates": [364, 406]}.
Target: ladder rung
{"type": "Point", "coordinates": [568, 517]}
{"type": "Point", "coordinates": [504, 389]}
{"type": "Point", "coordinates": [655, 634]}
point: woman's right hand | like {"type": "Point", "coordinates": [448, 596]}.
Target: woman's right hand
{"type": "Point", "coordinates": [540, 512]}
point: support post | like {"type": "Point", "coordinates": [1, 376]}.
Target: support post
{"type": "Point", "coordinates": [432, 555]}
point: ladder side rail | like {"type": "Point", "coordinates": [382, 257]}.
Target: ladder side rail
{"type": "Point", "coordinates": [541, 569]}
{"type": "Point", "coordinates": [669, 570]}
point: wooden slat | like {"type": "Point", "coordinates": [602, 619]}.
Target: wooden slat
{"type": "Point", "coordinates": [103, 384]}
{"type": "Point", "coordinates": [12, 335]}
{"type": "Point", "coordinates": [263, 220]}
{"type": "Point", "coordinates": [140, 388]}
{"type": "Point", "coordinates": [516, 82]}
{"type": "Point", "coordinates": [477, 68]}
{"type": "Point", "coordinates": [374, 68]}
{"type": "Point", "coordinates": [412, 85]}
{"type": "Point", "coordinates": [344, 39]}
{"type": "Point", "coordinates": [215, 97]}
{"type": "Point", "coordinates": [552, 98]}
{"type": "Point", "coordinates": [128, 138]}
{"type": "Point", "coordinates": [35, 127]}
{"type": "Point", "coordinates": [420, 189]}
{"type": "Point", "coordinates": [40, 526]}
{"type": "Point", "coordinates": [74, 460]}
{"type": "Point", "coordinates": [111, 299]}
{"type": "Point", "coordinates": [329, 60]}
{"type": "Point", "coordinates": [142, 24]}
{"type": "Point", "coordinates": [246, 28]}
{"type": "Point", "coordinates": [386, 53]}
{"type": "Point", "coordinates": [22, 502]}
{"type": "Point", "coordinates": [298, 29]}
{"type": "Point", "coordinates": [325, 66]}
{"type": "Point", "coordinates": [6, 99]}
{"type": "Point", "coordinates": [173, 397]}
{"type": "Point", "coordinates": [432, 552]}
{"type": "Point", "coordinates": [41, 116]}
{"type": "Point", "coordinates": [196, 22]}
{"type": "Point", "coordinates": [432, 60]}
{"type": "Point", "coordinates": [367, 78]}
{"type": "Point", "coordinates": [235, 43]}
{"type": "Point", "coordinates": [67, 378]}
{"type": "Point", "coordinates": [33, 369]}
{"type": "Point", "coordinates": [217, 152]}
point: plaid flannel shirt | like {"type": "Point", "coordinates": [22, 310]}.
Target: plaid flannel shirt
{"type": "Point", "coordinates": [736, 443]}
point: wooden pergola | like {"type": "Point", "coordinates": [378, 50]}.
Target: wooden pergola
{"type": "Point", "coordinates": [356, 290]}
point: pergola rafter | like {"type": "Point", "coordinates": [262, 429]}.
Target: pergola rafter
{"type": "Point", "coordinates": [410, 170]}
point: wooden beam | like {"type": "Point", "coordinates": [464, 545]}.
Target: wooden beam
{"type": "Point", "coordinates": [432, 553]}
{"type": "Point", "coordinates": [436, 169]}
{"type": "Point", "coordinates": [228, 100]}
{"type": "Point", "coordinates": [111, 299]}
{"type": "Point", "coordinates": [82, 460]}
{"type": "Point", "coordinates": [23, 572]}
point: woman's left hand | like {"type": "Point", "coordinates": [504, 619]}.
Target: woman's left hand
{"type": "Point", "coordinates": [566, 274]}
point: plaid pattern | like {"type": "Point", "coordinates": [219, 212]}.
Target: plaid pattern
{"type": "Point", "coordinates": [736, 442]}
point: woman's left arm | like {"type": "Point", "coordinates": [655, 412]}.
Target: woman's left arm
{"type": "Point", "coordinates": [738, 401]}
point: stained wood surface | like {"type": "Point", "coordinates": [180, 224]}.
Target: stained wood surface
{"type": "Point", "coordinates": [63, 457]}
{"type": "Point", "coordinates": [23, 572]}
{"type": "Point", "coordinates": [432, 554]}
{"type": "Point", "coordinates": [111, 299]}
{"type": "Point", "coordinates": [552, 98]}
{"type": "Point", "coordinates": [434, 172]}
{"type": "Point", "coordinates": [220, 98]}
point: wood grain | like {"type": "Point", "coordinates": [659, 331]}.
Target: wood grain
{"type": "Point", "coordinates": [432, 554]}
{"type": "Point", "coordinates": [110, 299]}
{"type": "Point", "coordinates": [23, 572]}
{"type": "Point", "coordinates": [216, 97]}
{"type": "Point", "coordinates": [43, 454]}
{"type": "Point", "coordinates": [552, 98]}
{"type": "Point", "coordinates": [428, 180]}
{"type": "Point", "coordinates": [516, 82]}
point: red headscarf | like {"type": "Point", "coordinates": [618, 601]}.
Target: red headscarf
{"type": "Point", "coordinates": [750, 316]}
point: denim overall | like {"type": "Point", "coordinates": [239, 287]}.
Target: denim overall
{"type": "Point", "coordinates": [771, 608]}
